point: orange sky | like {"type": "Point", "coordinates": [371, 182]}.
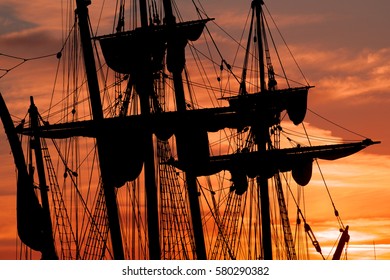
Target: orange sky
{"type": "Point", "coordinates": [344, 51]}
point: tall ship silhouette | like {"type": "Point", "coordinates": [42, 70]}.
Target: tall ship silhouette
{"type": "Point", "coordinates": [157, 145]}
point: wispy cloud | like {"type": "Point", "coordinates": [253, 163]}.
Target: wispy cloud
{"type": "Point", "coordinates": [343, 73]}
{"type": "Point", "coordinates": [10, 20]}
{"type": "Point", "coordinates": [297, 20]}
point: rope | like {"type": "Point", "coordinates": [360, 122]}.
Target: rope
{"type": "Point", "coordinates": [336, 212]}
{"type": "Point", "coordinates": [23, 60]}
{"type": "Point", "coordinates": [339, 126]}
{"type": "Point", "coordinates": [285, 43]}
{"type": "Point", "coordinates": [308, 230]}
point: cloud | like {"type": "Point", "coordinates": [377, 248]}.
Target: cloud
{"type": "Point", "coordinates": [284, 21]}
{"type": "Point", "coordinates": [351, 184]}
{"type": "Point", "coordinates": [10, 21]}
{"type": "Point", "coordinates": [352, 88]}
{"type": "Point", "coordinates": [365, 74]}
{"type": "Point", "coordinates": [30, 43]}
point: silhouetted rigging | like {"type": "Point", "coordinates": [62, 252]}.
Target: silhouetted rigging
{"type": "Point", "coordinates": [150, 169]}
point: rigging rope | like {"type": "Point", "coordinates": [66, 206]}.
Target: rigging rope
{"type": "Point", "coordinates": [307, 227]}
{"type": "Point", "coordinates": [336, 212]}
{"type": "Point", "coordinates": [285, 43]}
{"type": "Point", "coordinates": [23, 60]}
{"type": "Point", "coordinates": [339, 126]}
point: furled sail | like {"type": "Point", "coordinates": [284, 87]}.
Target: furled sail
{"type": "Point", "coordinates": [270, 104]}
{"type": "Point", "coordinates": [125, 50]}
{"type": "Point", "coordinates": [267, 163]}
{"type": "Point", "coordinates": [243, 111]}
{"type": "Point", "coordinates": [123, 154]}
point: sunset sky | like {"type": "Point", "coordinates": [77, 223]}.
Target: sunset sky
{"type": "Point", "coordinates": [343, 47]}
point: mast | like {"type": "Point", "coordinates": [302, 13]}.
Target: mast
{"type": "Point", "coordinates": [143, 79]}
{"type": "Point", "coordinates": [97, 112]}
{"type": "Point", "coordinates": [262, 136]}
{"type": "Point", "coordinates": [257, 5]}
{"type": "Point", "coordinates": [176, 59]}
{"type": "Point", "coordinates": [29, 216]}
{"type": "Point", "coordinates": [141, 53]}
{"type": "Point", "coordinates": [340, 246]}
{"type": "Point", "coordinates": [48, 250]}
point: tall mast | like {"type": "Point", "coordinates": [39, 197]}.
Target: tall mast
{"type": "Point", "coordinates": [29, 214]}
{"type": "Point", "coordinates": [97, 113]}
{"type": "Point", "coordinates": [262, 136]}
{"type": "Point", "coordinates": [256, 4]}
{"type": "Point", "coordinates": [143, 80]}
{"type": "Point", "coordinates": [175, 65]}
{"type": "Point", "coordinates": [48, 250]}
